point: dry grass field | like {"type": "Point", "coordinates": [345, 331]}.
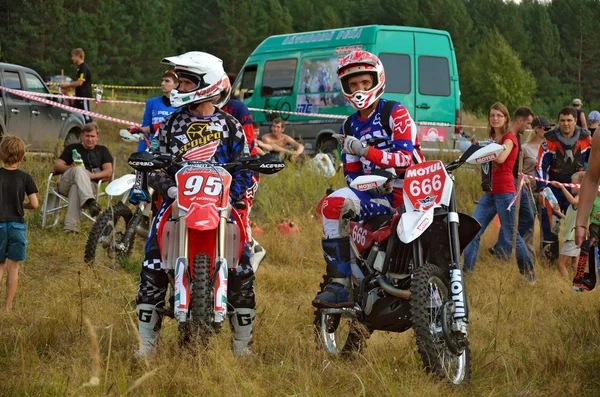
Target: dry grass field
{"type": "Point", "coordinates": [74, 331]}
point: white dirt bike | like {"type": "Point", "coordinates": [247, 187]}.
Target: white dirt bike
{"type": "Point", "coordinates": [407, 270]}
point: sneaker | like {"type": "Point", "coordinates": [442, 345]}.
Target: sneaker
{"type": "Point", "coordinates": [93, 207]}
{"type": "Point", "coordinates": [257, 254]}
{"type": "Point", "coordinates": [334, 295]}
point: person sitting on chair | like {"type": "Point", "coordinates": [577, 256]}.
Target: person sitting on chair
{"type": "Point", "coordinates": [77, 182]}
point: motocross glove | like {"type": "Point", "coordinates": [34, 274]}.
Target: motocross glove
{"type": "Point", "coordinates": [351, 145]}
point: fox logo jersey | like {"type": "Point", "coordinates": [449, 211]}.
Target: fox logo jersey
{"type": "Point", "coordinates": [398, 151]}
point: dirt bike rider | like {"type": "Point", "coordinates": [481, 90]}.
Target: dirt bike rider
{"type": "Point", "coordinates": [240, 111]}
{"type": "Point", "coordinates": [362, 79]}
{"type": "Point", "coordinates": [197, 130]}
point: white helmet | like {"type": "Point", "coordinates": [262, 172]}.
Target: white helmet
{"type": "Point", "coordinates": [225, 90]}
{"type": "Point", "coordinates": [361, 62]}
{"type": "Point", "coordinates": [204, 69]}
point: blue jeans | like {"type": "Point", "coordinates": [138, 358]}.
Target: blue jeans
{"type": "Point", "coordinates": [486, 210]}
{"type": "Point", "coordinates": [526, 220]}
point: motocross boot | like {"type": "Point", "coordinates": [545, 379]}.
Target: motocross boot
{"type": "Point", "coordinates": [582, 281]}
{"type": "Point", "coordinates": [257, 254]}
{"type": "Point", "coordinates": [337, 256]}
{"type": "Point", "coordinates": [149, 323]}
{"type": "Point", "coordinates": [241, 331]}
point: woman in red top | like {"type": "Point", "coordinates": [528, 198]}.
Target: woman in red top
{"type": "Point", "coordinates": [502, 194]}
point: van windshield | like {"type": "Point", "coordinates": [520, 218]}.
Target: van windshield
{"type": "Point", "coordinates": [278, 77]}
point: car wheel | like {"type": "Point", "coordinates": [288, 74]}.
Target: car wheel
{"type": "Point", "coordinates": [72, 137]}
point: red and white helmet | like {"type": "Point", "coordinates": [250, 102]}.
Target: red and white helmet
{"type": "Point", "coordinates": [204, 69]}
{"type": "Point", "coordinates": [361, 62]}
{"type": "Point", "coordinates": [225, 89]}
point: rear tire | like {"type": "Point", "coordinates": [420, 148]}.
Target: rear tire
{"type": "Point", "coordinates": [329, 146]}
{"type": "Point", "coordinates": [339, 334]}
{"type": "Point", "coordinates": [107, 234]}
{"type": "Point", "coordinates": [430, 290]}
{"type": "Point", "coordinates": [200, 324]}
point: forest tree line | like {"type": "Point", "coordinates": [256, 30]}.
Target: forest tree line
{"type": "Point", "coordinates": [534, 53]}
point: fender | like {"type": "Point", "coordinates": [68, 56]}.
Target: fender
{"type": "Point", "coordinates": [413, 224]}
{"type": "Point", "coordinates": [121, 185]}
{"type": "Point", "coordinates": [202, 217]}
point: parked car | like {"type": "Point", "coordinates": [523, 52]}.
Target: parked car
{"type": "Point", "coordinates": [38, 124]}
{"type": "Point", "coordinates": [297, 72]}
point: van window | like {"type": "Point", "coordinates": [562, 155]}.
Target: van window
{"type": "Point", "coordinates": [278, 77]}
{"type": "Point", "coordinates": [12, 80]}
{"type": "Point", "coordinates": [34, 83]}
{"type": "Point", "coordinates": [434, 76]}
{"type": "Point", "coordinates": [398, 79]}
{"type": "Point", "coordinates": [244, 84]}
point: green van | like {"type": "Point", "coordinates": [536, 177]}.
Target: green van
{"type": "Point", "coordinates": [297, 73]}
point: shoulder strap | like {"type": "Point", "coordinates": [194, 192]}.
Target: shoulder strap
{"type": "Point", "coordinates": [347, 130]}
{"type": "Point", "coordinates": [386, 111]}
{"type": "Point", "coordinates": [169, 126]}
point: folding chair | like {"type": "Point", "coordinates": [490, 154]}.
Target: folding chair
{"type": "Point", "coordinates": [55, 202]}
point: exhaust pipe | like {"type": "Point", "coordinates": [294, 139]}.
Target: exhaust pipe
{"type": "Point", "coordinates": [400, 293]}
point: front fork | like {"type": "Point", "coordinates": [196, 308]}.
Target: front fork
{"type": "Point", "coordinates": [457, 282]}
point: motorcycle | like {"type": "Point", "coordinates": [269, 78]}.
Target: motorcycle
{"type": "Point", "coordinates": [203, 236]}
{"type": "Point", "coordinates": [112, 235]}
{"type": "Point", "coordinates": [406, 270]}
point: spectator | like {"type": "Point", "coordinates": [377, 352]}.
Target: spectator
{"type": "Point", "coordinates": [281, 142]}
{"type": "Point", "coordinates": [522, 119]}
{"type": "Point", "coordinates": [569, 251]}
{"type": "Point", "coordinates": [588, 212]}
{"type": "Point", "coordinates": [594, 119]}
{"type": "Point", "coordinates": [502, 194]}
{"type": "Point", "coordinates": [157, 108]}
{"type": "Point", "coordinates": [77, 182]}
{"type": "Point", "coordinates": [82, 82]}
{"type": "Point", "coordinates": [14, 186]}
{"type": "Point", "coordinates": [563, 152]}
{"type": "Point", "coordinates": [530, 153]}
{"type": "Point", "coordinates": [580, 118]}
{"type": "Point", "coordinates": [261, 147]}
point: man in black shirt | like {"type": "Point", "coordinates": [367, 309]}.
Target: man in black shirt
{"type": "Point", "coordinates": [82, 82]}
{"type": "Point", "coordinates": [76, 181]}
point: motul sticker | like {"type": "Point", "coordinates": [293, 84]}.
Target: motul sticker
{"type": "Point", "coordinates": [366, 186]}
{"type": "Point", "coordinates": [486, 159]}
{"type": "Point", "coordinates": [424, 184]}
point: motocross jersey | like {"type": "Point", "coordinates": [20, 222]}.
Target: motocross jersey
{"type": "Point", "coordinates": [239, 110]}
{"type": "Point", "coordinates": [218, 137]}
{"type": "Point", "coordinates": [398, 151]}
{"type": "Point", "coordinates": [559, 158]}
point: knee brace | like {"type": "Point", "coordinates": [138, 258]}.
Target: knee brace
{"type": "Point", "coordinates": [153, 286]}
{"type": "Point", "coordinates": [241, 287]}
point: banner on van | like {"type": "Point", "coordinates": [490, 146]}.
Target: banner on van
{"type": "Point", "coordinates": [433, 134]}
{"type": "Point", "coordinates": [319, 86]}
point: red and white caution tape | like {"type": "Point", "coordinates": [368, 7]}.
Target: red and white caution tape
{"type": "Point", "coordinates": [317, 115]}
{"type": "Point", "coordinates": [69, 108]}
{"type": "Point", "coordinates": [518, 193]}
{"type": "Point", "coordinates": [545, 181]}
{"type": "Point", "coordinates": [82, 98]}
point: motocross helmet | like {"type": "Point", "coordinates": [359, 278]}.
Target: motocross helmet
{"type": "Point", "coordinates": [361, 62]}
{"type": "Point", "coordinates": [204, 69]}
{"type": "Point", "coordinates": [225, 90]}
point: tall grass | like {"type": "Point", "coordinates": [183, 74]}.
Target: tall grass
{"type": "Point", "coordinates": [534, 340]}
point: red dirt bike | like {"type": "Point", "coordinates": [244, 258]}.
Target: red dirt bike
{"type": "Point", "coordinates": [202, 236]}
{"type": "Point", "coordinates": [406, 270]}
